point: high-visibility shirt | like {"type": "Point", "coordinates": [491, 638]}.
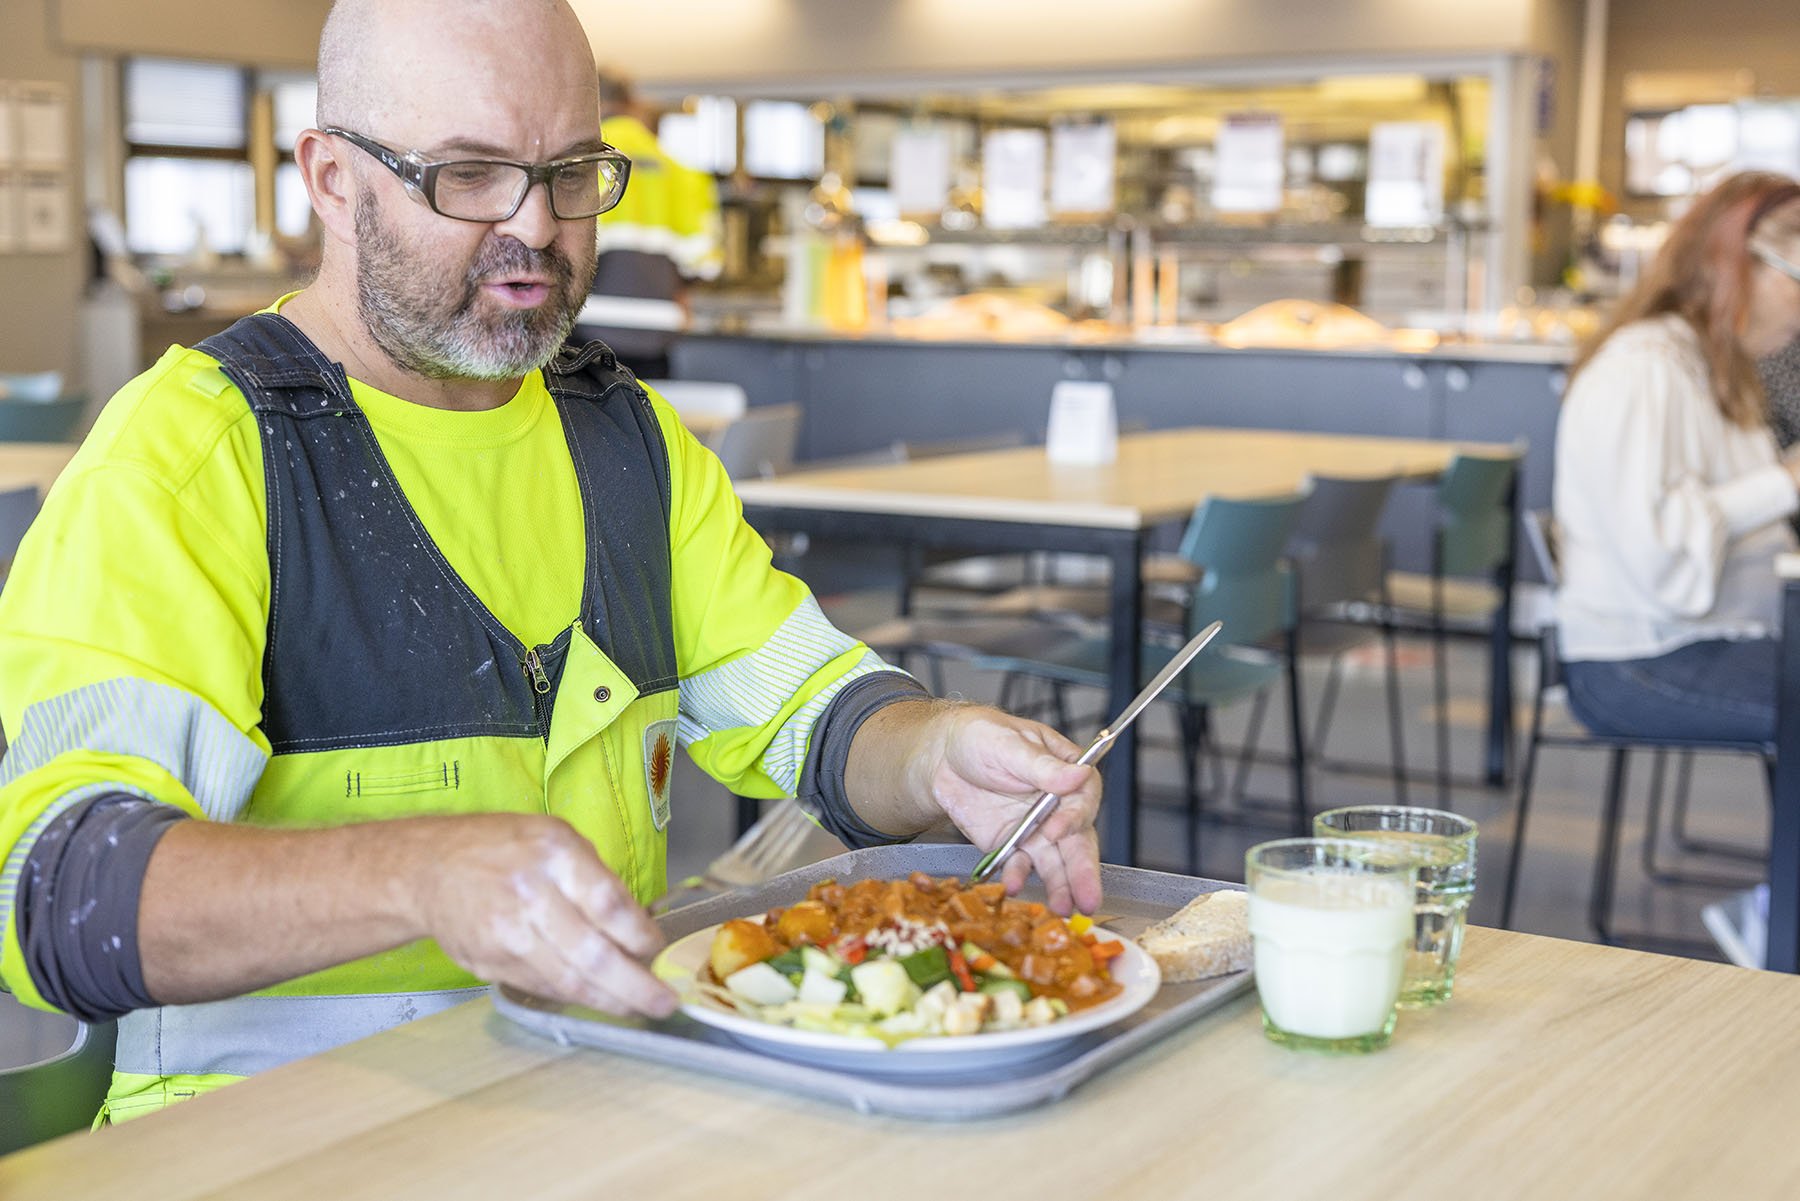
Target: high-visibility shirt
{"type": "Point", "coordinates": [667, 209]}
{"type": "Point", "coordinates": [137, 653]}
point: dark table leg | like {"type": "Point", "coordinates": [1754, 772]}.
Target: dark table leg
{"type": "Point", "coordinates": [1119, 808]}
{"type": "Point", "coordinates": [748, 810]}
{"type": "Point", "coordinates": [1784, 835]}
{"type": "Point", "coordinates": [1500, 693]}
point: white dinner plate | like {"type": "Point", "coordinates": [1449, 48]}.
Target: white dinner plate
{"type": "Point", "coordinates": [932, 1054]}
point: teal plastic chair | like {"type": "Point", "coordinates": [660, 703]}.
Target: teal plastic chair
{"type": "Point", "coordinates": [54, 1073]}
{"type": "Point", "coordinates": [1471, 556]}
{"type": "Point", "coordinates": [40, 420]}
{"type": "Point", "coordinates": [1245, 583]}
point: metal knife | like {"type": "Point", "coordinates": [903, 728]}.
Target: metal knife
{"type": "Point", "coordinates": [1046, 803]}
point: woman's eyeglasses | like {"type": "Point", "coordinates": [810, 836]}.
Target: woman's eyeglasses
{"type": "Point", "coordinates": [489, 190]}
{"type": "Point", "coordinates": [1770, 258]}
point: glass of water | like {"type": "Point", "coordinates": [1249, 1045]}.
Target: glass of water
{"type": "Point", "coordinates": [1442, 846]}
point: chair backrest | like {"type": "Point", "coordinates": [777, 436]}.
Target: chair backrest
{"type": "Point", "coordinates": [1540, 537]}
{"type": "Point", "coordinates": [760, 443]}
{"type": "Point", "coordinates": [1337, 546]}
{"type": "Point", "coordinates": [702, 398]}
{"type": "Point", "coordinates": [18, 509]}
{"type": "Point", "coordinates": [1474, 534]}
{"type": "Point", "coordinates": [54, 1073]}
{"type": "Point", "coordinates": [1247, 584]}
{"type": "Point", "coordinates": [40, 420]}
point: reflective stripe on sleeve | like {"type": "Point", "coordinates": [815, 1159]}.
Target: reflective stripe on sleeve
{"type": "Point", "coordinates": [695, 255]}
{"type": "Point", "coordinates": [214, 760]}
{"type": "Point", "coordinates": [246, 1035]}
{"type": "Point", "coordinates": [750, 691]}
{"type": "Point", "coordinates": [787, 751]}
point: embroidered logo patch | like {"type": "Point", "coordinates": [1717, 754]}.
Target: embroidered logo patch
{"type": "Point", "coordinates": [659, 765]}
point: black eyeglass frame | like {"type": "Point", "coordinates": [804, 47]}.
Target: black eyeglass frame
{"type": "Point", "coordinates": [420, 174]}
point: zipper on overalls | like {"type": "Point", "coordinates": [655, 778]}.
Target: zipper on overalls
{"type": "Point", "coordinates": [540, 687]}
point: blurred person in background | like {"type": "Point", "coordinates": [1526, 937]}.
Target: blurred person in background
{"type": "Point", "coordinates": [1672, 496]}
{"type": "Point", "coordinates": [1670, 491]}
{"type": "Point", "coordinates": [664, 232]}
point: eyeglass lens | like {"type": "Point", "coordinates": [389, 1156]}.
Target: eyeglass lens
{"type": "Point", "coordinates": [488, 191]}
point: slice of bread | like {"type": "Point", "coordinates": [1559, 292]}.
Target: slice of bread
{"type": "Point", "coordinates": [1209, 936]}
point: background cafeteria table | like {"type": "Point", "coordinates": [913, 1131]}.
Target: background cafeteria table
{"type": "Point", "coordinates": [33, 464]}
{"type": "Point", "coordinates": [1560, 1070]}
{"type": "Point", "coordinates": [1019, 500]}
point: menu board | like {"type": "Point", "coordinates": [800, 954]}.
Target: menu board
{"type": "Point", "coordinates": [919, 170]}
{"type": "Point", "coordinates": [1082, 167]}
{"type": "Point", "coordinates": [1248, 172]}
{"type": "Point", "coordinates": [1406, 174]}
{"type": "Point", "coordinates": [1012, 178]}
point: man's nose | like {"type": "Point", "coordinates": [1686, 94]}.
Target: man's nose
{"type": "Point", "coordinates": [534, 224]}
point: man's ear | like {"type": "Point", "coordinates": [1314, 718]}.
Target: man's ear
{"type": "Point", "coordinates": [329, 182]}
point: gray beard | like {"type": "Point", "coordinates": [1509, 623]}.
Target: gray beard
{"type": "Point", "coordinates": [438, 332]}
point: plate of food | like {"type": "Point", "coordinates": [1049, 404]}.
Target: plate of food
{"type": "Point", "coordinates": [910, 976]}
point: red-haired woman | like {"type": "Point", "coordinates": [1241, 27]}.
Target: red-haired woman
{"type": "Point", "coordinates": [1670, 494]}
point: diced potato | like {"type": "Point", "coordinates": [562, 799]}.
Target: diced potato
{"type": "Point", "coordinates": [1009, 1009]}
{"type": "Point", "coordinates": [737, 945]}
{"type": "Point", "coordinates": [806, 922]}
{"type": "Point", "coordinates": [1039, 1012]}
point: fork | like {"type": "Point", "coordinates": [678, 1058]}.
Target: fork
{"type": "Point", "coordinates": [763, 851]}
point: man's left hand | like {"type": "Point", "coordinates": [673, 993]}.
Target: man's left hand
{"type": "Point", "coordinates": [984, 768]}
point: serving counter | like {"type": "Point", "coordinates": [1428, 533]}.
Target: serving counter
{"type": "Point", "coordinates": [1560, 1070]}
{"type": "Point", "coordinates": [865, 392]}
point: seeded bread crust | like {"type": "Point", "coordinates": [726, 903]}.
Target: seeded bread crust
{"type": "Point", "coordinates": [1209, 936]}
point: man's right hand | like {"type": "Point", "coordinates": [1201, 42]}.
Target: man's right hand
{"type": "Point", "coordinates": [525, 901]}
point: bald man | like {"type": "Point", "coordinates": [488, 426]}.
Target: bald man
{"type": "Point", "coordinates": [343, 668]}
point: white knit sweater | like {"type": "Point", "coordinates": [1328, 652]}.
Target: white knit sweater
{"type": "Point", "coordinates": [1670, 516]}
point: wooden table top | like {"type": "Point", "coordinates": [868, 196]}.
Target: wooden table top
{"type": "Point", "coordinates": [1158, 476]}
{"type": "Point", "coordinates": [1560, 1070]}
{"type": "Point", "coordinates": [33, 464]}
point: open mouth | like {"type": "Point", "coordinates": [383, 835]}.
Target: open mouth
{"type": "Point", "coordinates": [521, 292]}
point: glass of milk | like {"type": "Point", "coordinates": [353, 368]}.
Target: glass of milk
{"type": "Point", "coordinates": [1442, 847]}
{"type": "Point", "coordinates": [1331, 920]}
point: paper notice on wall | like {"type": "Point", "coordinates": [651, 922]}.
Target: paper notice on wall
{"type": "Point", "coordinates": [41, 123]}
{"type": "Point", "coordinates": [1249, 164]}
{"type": "Point", "coordinates": [1082, 167]}
{"type": "Point", "coordinates": [919, 171]}
{"type": "Point", "coordinates": [1406, 174]}
{"type": "Point", "coordinates": [1012, 178]}
{"type": "Point", "coordinates": [9, 212]}
{"type": "Point", "coordinates": [44, 213]}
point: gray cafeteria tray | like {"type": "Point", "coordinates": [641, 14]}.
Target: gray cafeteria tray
{"type": "Point", "coordinates": [1134, 899]}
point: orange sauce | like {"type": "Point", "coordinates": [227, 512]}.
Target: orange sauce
{"type": "Point", "coordinates": [1024, 935]}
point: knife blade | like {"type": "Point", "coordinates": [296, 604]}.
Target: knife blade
{"type": "Point", "coordinates": [1046, 802]}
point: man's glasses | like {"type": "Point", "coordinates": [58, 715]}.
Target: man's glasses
{"type": "Point", "coordinates": [489, 190]}
{"type": "Point", "coordinates": [1791, 270]}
